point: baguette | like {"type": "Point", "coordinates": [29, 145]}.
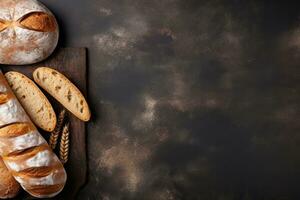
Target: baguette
{"type": "Point", "coordinates": [9, 187]}
{"type": "Point", "coordinates": [25, 152]}
{"type": "Point", "coordinates": [33, 100]}
{"type": "Point", "coordinates": [63, 90]}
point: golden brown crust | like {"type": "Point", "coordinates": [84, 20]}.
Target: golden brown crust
{"type": "Point", "coordinates": [3, 80]}
{"type": "Point", "coordinates": [28, 32]}
{"type": "Point", "coordinates": [2, 26]}
{"type": "Point", "coordinates": [16, 129]}
{"type": "Point", "coordinates": [44, 189]}
{"type": "Point", "coordinates": [25, 154]}
{"type": "Point", "coordinates": [5, 84]}
{"type": "Point", "coordinates": [9, 187]}
{"type": "Point", "coordinates": [36, 172]}
{"type": "Point", "coordinates": [39, 21]}
{"type": "Point", "coordinates": [3, 98]}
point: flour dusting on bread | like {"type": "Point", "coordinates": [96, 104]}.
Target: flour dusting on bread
{"type": "Point", "coordinates": [25, 153]}
{"type": "Point", "coordinates": [28, 32]}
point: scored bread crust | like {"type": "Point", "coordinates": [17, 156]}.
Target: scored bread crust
{"type": "Point", "coordinates": [26, 153]}
{"type": "Point", "coordinates": [33, 100]}
{"type": "Point", "coordinates": [19, 44]}
{"type": "Point", "coordinates": [9, 187]}
{"type": "Point", "coordinates": [63, 90]}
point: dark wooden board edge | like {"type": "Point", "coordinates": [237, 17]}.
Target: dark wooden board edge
{"type": "Point", "coordinates": [72, 63]}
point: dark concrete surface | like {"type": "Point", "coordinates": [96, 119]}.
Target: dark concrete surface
{"type": "Point", "coordinates": [191, 99]}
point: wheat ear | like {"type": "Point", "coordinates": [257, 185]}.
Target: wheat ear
{"type": "Point", "coordinates": [64, 144]}
{"type": "Point", "coordinates": [55, 134]}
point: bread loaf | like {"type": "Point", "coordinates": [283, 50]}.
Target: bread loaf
{"type": "Point", "coordinates": [28, 32]}
{"type": "Point", "coordinates": [9, 187]}
{"type": "Point", "coordinates": [63, 90]}
{"type": "Point", "coordinates": [33, 100]}
{"type": "Point", "coordinates": [25, 152]}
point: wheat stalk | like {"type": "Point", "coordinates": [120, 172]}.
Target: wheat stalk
{"type": "Point", "coordinates": [64, 144]}
{"type": "Point", "coordinates": [55, 134]}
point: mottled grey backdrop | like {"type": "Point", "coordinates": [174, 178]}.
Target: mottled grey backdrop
{"type": "Point", "coordinates": [191, 99]}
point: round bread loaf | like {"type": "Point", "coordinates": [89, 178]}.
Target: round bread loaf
{"type": "Point", "coordinates": [28, 32]}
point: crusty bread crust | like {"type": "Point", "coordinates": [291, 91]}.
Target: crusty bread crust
{"type": "Point", "coordinates": [28, 32]}
{"type": "Point", "coordinates": [23, 150]}
{"type": "Point", "coordinates": [9, 187]}
{"type": "Point", "coordinates": [39, 21]}
{"type": "Point", "coordinates": [16, 129]}
{"type": "Point", "coordinates": [3, 25]}
{"type": "Point", "coordinates": [63, 90]}
{"type": "Point", "coordinates": [33, 100]}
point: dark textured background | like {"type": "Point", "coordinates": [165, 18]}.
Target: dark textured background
{"type": "Point", "coordinates": [191, 99]}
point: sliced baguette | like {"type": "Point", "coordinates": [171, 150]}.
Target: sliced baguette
{"type": "Point", "coordinates": [63, 90]}
{"type": "Point", "coordinates": [33, 100]}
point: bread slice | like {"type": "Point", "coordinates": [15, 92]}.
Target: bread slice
{"type": "Point", "coordinates": [63, 90]}
{"type": "Point", "coordinates": [33, 100]}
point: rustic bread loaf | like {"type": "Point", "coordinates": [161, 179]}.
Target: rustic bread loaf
{"type": "Point", "coordinates": [33, 100]}
{"type": "Point", "coordinates": [25, 152]}
{"type": "Point", "coordinates": [62, 90]}
{"type": "Point", "coordinates": [9, 187]}
{"type": "Point", "coordinates": [28, 32]}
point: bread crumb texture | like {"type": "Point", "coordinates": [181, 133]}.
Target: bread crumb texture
{"type": "Point", "coordinates": [33, 100]}
{"type": "Point", "coordinates": [63, 90]}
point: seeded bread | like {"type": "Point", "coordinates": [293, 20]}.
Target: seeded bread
{"type": "Point", "coordinates": [63, 90]}
{"type": "Point", "coordinates": [33, 100]}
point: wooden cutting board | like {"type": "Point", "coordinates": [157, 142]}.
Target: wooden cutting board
{"type": "Point", "coordinates": [72, 63]}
